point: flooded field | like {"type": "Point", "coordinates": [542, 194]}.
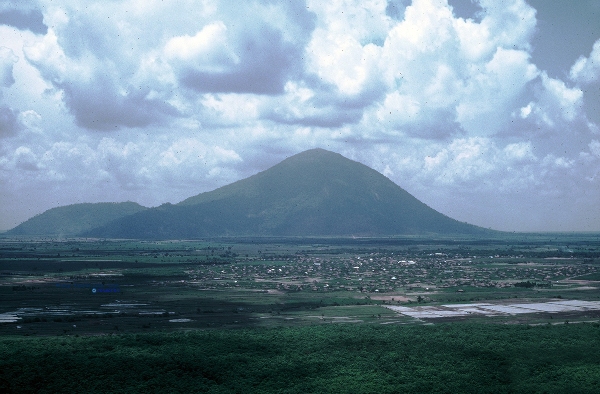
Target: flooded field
{"type": "Point", "coordinates": [504, 309]}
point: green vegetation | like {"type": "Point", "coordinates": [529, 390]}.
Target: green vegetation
{"type": "Point", "coordinates": [75, 219]}
{"type": "Point", "coordinates": [314, 193]}
{"type": "Point", "coordinates": [448, 358]}
{"type": "Point", "coordinates": [299, 315]}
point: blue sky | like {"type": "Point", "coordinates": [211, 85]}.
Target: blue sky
{"type": "Point", "coordinates": [488, 111]}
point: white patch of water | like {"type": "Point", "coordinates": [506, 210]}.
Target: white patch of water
{"type": "Point", "coordinates": [9, 318]}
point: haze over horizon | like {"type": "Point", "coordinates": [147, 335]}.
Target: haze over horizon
{"type": "Point", "coordinates": [488, 113]}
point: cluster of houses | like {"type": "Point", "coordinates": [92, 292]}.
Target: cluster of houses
{"type": "Point", "coordinates": [380, 273]}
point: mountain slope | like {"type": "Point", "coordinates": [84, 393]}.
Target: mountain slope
{"type": "Point", "coordinates": [313, 193]}
{"type": "Point", "coordinates": [75, 219]}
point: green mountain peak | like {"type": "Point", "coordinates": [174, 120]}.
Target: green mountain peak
{"type": "Point", "coordinates": [313, 193]}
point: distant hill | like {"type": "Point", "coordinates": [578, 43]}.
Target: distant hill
{"type": "Point", "coordinates": [75, 219]}
{"type": "Point", "coordinates": [314, 193]}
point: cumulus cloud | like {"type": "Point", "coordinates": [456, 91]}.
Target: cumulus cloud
{"type": "Point", "coordinates": [308, 105]}
{"type": "Point", "coordinates": [192, 97]}
{"type": "Point", "coordinates": [96, 90]}
{"type": "Point", "coordinates": [479, 162]}
{"type": "Point", "coordinates": [567, 102]}
{"type": "Point", "coordinates": [257, 62]}
{"type": "Point", "coordinates": [587, 69]}
{"type": "Point", "coordinates": [208, 50]}
{"type": "Point", "coordinates": [493, 94]}
{"type": "Point", "coordinates": [123, 166]}
{"type": "Point", "coordinates": [345, 46]}
{"type": "Point", "coordinates": [113, 73]}
{"type": "Point", "coordinates": [198, 161]}
{"type": "Point", "coordinates": [555, 104]}
{"type": "Point", "coordinates": [512, 23]}
{"type": "Point", "coordinates": [346, 57]}
{"type": "Point", "coordinates": [25, 159]}
{"type": "Point", "coordinates": [434, 75]}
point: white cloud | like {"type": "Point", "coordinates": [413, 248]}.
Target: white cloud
{"type": "Point", "coordinates": [345, 47]}
{"type": "Point", "coordinates": [95, 89]}
{"type": "Point", "coordinates": [147, 101]}
{"type": "Point", "coordinates": [230, 109]}
{"type": "Point", "coordinates": [494, 91]}
{"type": "Point", "coordinates": [555, 105]}
{"type": "Point", "coordinates": [519, 152]}
{"type": "Point", "coordinates": [511, 23]}
{"type": "Point", "coordinates": [595, 148]}
{"type": "Point", "coordinates": [553, 162]}
{"type": "Point", "coordinates": [415, 46]}
{"type": "Point", "coordinates": [235, 55]}
{"type": "Point", "coordinates": [25, 159]}
{"type": "Point", "coordinates": [311, 106]}
{"type": "Point", "coordinates": [567, 102]}
{"type": "Point", "coordinates": [7, 60]}
{"type": "Point", "coordinates": [364, 21]}
{"type": "Point", "coordinates": [344, 62]}
{"type": "Point", "coordinates": [464, 160]}
{"type": "Point", "coordinates": [120, 67]}
{"type": "Point", "coordinates": [457, 73]}
{"type": "Point", "coordinates": [587, 69]}
{"type": "Point", "coordinates": [207, 51]}
{"type": "Point", "coordinates": [397, 110]}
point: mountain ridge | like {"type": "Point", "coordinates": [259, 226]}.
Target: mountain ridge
{"type": "Point", "coordinates": [312, 193]}
{"type": "Point", "coordinates": [73, 219]}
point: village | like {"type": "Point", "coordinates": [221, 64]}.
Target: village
{"type": "Point", "coordinates": [384, 273]}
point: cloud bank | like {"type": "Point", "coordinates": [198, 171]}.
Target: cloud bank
{"type": "Point", "coordinates": [152, 102]}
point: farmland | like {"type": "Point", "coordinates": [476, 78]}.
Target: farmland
{"type": "Point", "coordinates": [81, 286]}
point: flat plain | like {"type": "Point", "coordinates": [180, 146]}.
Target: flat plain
{"type": "Point", "coordinates": [505, 314]}
{"type": "Point", "coordinates": [92, 286]}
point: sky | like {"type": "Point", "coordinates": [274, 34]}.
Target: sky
{"type": "Point", "coordinates": [487, 111]}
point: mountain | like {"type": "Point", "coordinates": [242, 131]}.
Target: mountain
{"type": "Point", "coordinates": [74, 219]}
{"type": "Point", "coordinates": [314, 193]}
